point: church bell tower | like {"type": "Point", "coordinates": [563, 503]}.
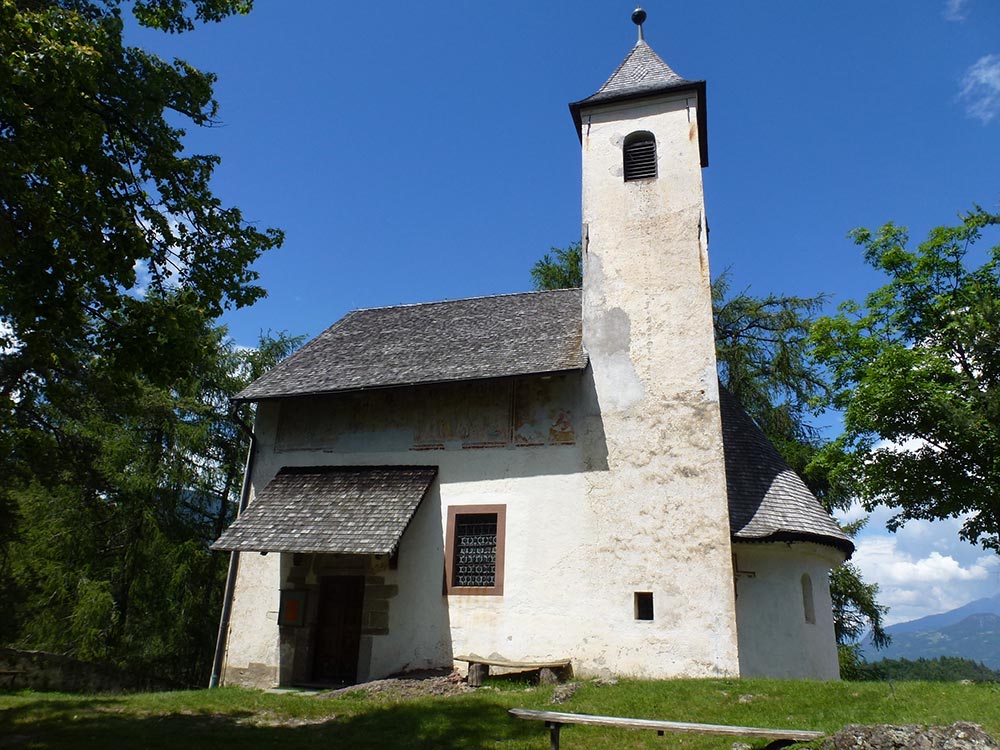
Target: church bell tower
{"type": "Point", "coordinates": [660, 504]}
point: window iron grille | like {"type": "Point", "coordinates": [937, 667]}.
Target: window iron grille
{"type": "Point", "coordinates": [475, 550]}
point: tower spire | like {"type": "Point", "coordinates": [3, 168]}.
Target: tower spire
{"type": "Point", "coordinates": [638, 18]}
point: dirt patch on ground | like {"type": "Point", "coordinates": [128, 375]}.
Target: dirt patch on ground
{"type": "Point", "coordinates": [406, 686]}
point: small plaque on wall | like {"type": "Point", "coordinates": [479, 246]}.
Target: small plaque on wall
{"type": "Point", "coordinates": [293, 608]}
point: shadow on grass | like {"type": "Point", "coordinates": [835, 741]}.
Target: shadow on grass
{"type": "Point", "coordinates": [448, 724]}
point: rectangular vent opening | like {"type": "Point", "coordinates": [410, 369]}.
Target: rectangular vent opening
{"type": "Point", "coordinates": [640, 160]}
{"type": "Point", "coordinates": [644, 605]}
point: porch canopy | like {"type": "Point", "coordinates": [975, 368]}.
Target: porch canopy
{"type": "Point", "coordinates": [351, 510]}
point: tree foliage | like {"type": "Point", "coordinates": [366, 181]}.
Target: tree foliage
{"type": "Point", "coordinates": [916, 372]}
{"type": "Point", "coordinates": [941, 669]}
{"type": "Point", "coordinates": [110, 561]}
{"type": "Point", "coordinates": [117, 461]}
{"type": "Point", "coordinates": [763, 351]}
{"type": "Point", "coordinates": [560, 268]}
{"type": "Point", "coordinates": [99, 202]}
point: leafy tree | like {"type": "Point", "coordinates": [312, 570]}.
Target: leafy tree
{"type": "Point", "coordinates": [856, 611]}
{"type": "Point", "coordinates": [116, 458]}
{"type": "Point", "coordinates": [763, 352]}
{"type": "Point", "coordinates": [761, 346]}
{"type": "Point", "coordinates": [99, 202]}
{"type": "Point", "coordinates": [560, 268]}
{"type": "Point", "coordinates": [916, 372]}
{"type": "Point", "coordinates": [111, 560]}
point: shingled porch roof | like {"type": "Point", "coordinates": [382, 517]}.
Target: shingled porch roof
{"type": "Point", "coordinates": [319, 509]}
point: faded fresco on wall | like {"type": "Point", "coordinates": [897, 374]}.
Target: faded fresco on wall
{"type": "Point", "coordinates": [480, 414]}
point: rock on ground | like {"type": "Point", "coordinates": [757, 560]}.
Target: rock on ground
{"type": "Point", "coordinates": [564, 692]}
{"type": "Point", "coordinates": [959, 736]}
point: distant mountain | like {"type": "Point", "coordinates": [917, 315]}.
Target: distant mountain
{"type": "Point", "coordinates": [988, 606]}
{"type": "Point", "coordinates": [971, 632]}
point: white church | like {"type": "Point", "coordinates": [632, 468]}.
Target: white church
{"type": "Point", "coordinates": [539, 476]}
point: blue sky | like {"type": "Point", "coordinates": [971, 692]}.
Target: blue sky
{"type": "Point", "coordinates": [424, 151]}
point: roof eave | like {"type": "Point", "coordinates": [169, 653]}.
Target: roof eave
{"type": "Point", "coordinates": [844, 545]}
{"type": "Point", "coordinates": [575, 109]}
{"type": "Point", "coordinates": [239, 398]}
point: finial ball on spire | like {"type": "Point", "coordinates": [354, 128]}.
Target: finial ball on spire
{"type": "Point", "coordinates": [638, 16]}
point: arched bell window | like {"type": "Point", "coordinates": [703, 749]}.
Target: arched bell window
{"type": "Point", "coordinates": [639, 156]}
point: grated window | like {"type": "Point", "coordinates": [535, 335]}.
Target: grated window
{"type": "Point", "coordinates": [475, 550]}
{"type": "Point", "coordinates": [639, 156]}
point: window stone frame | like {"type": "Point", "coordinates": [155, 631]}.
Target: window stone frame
{"type": "Point", "coordinates": [500, 511]}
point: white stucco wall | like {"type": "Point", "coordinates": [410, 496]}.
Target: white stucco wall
{"type": "Point", "coordinates": [541, 485]}
{"type": "Point", "coordinates": [252, 645]}
{"type": "Point", "coordinates": [570, 573]}
{"type": "Point", "coordinates": [419, 630]}
{"type": "Point", "coordinates": [251, 656]}
{"type": "Point", "coordinates": [660, 508]}
{"type": "Point", "coordinates": [775, 638]}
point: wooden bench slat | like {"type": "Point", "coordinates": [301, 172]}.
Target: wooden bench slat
{"type": "Point", "coordinates": [557, 717]}
{"type": "Point", "coordinates": [555, 664]}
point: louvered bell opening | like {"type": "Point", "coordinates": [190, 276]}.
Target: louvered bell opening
{"type": "Point", "coordinates": [640, 160]}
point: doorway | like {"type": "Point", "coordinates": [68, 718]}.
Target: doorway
{"type": "Point", "coordinates": [338, 629]}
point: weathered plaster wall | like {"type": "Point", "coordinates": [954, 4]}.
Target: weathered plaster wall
{"type": "Point", "coordinates": [418, 631]}
{"type": "Point", "coordinates": [501, 413]}
{"type": "Point", "coordinates": [252, 645]}
{"type": "Point", "coordinates": [775, 638]}
{"type": "Point", "coordinates": [659, 513]}
{"type": "Point", "coordinates": [572, 565]}
{"type": "Point", "coordinates": [251, 657]}
{"type": "Point", "coordinates": [497, 442]}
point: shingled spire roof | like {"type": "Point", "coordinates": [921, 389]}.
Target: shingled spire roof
{"type": "Point", "coordinates": [642, 74]}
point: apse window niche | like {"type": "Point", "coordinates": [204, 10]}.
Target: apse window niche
{"type": "Point", "coordinates": [639, 156]}
{"type": "Point", "coordinates": [808, 607]}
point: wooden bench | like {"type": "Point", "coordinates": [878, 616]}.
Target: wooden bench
{"type": "Point", "coordinates": [555, 720]}
{"type": "Point", "coordinates": [549, 672]}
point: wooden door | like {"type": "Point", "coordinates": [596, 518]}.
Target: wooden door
{"type": "Point", "coordinates": [338, 630]}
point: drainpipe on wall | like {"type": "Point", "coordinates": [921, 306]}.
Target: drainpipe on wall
{"type": "Point", "coordinates": [234, 557]}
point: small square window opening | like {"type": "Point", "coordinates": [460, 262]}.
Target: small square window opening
{"type": "Point", "coordinates": [644, 605]}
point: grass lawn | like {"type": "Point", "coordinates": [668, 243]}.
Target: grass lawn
{"type": "Point", "coordinates": [245, 719]}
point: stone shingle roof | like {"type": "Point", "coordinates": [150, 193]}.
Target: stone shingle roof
{"type": "Point", "coordinates": [643, 73]}
{"type": "Point", "coordinates": [352, 510]}
{"type": "Point", "coordinates": [767, 500]}
{"type": "Point", "coordinates": [466, 339]}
